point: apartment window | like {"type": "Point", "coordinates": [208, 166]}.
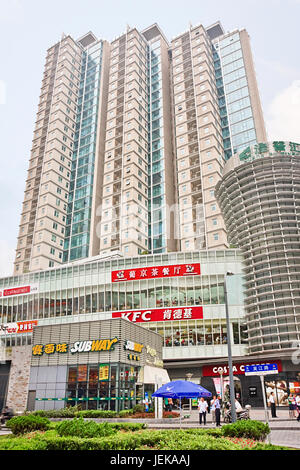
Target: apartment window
{"type": "Point", "coordinates": [216, 236]}
{"type": "Point", "coordinates": [215, 221]}
{"type": "Point", "coordinates": [52, 251]}
{"type": "Point", "coordinates": [213, 207]}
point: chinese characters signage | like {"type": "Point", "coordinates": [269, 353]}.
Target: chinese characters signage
{"type": "Point", "coordinates": [238, 369]}
{"type": "Point", "coordinates": [18, 327]}
{"type": "Point", "coordinates": [269, 149]}
{"type": "Point", "coordinates": [24, 290]}
{"type": "Point", "coordinates": [103, 371]}
{"type": "Point", "coordinates": [161, 314]}
{"type": "Point", "coordinates": [261, 369]}
{"type": "Point", "coordinates": [78, 347]}
{"type": "Point", "coordinates": [135, 347]}
{"type": "Point", "coordinates": [136, 274]}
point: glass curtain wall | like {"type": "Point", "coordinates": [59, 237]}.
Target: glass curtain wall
{"type": "Point", "coordinates": [237, 122]}
{"type": "Point", "coordinates": [82, 175]}
{"type": "Point", "coordinates": [157, 236]}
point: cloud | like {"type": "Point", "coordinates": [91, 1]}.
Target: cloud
{"type": "Point", "coordinates": [283, 115]}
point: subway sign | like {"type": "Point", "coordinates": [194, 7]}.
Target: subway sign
{"type": "Point", "coordinates": [77, 347]}
{"type": "Point", "coordinates": [138, 274]}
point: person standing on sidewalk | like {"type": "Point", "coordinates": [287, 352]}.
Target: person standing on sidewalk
{"type": "Point", "coordinates": [292, 406]}
{"type": "Point", "coordinates": [202, 407]}
{"type": "Point", "coordinates": [218, 411]}
{"type": "Point", "coordinates": [213, 409]}
{"type": "Point", "coordinates": [272, 405]}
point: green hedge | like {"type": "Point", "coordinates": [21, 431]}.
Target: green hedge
{"type": "Point", "coordinates": [80, 428]}
{"type": "Point", "coordinates": [249, 429]}
{"type": "Point", "coordinates": [154, 439]}
{"type": "Point", "coordinates": [28, 423]}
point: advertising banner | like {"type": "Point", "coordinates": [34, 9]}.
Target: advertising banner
{"type": "Point", "coordinates": [23, 290]}
{"type": "Point", "coordinates": [135, 274]}
{"type": "Point", "coordinates": [18, 327]}
{"type": "Point", "coordinates": [161, 314]}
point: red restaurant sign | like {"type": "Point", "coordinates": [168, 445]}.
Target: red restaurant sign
{"type": "Point", "coordinates": [135, 274]}
{"type": "Point", "coordinates": [23, 290]}
{"type": "Point", "coordinates": [18, 327]}
{"type": "Point", "coordinates": [161, 314]}
{"type": "Point", "coordinates": [238, 369]}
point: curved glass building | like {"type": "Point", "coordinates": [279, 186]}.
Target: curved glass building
{"type": "Point", "coordinates": [259, 196]}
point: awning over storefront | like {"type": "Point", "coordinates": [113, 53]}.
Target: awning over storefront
{"type": "Point", "coordinates": [154, 375]}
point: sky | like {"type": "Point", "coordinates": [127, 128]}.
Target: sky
{"type": "Point", "coordinates": [29, 27]}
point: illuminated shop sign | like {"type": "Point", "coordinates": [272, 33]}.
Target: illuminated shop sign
{"type": "Point", "coordinates": [238, 369]}
{"type": "Point", "coordinates": [136, 274]}
{"type": "Point", "coordinates": [161, 314]}
{"type": "Point", "coordinates": [18, 327]}
{"type": "Point", "coordinates": [135, 347]}
{"type": "Point", "coordinates": [78, 347]}
{"type": "Point", "coordinates": [103, 372]}
{"type": "Point", "coordinates": [23, 290]}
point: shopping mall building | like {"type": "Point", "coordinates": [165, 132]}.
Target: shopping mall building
{"type": "Point", "coordinates": [170, 306]}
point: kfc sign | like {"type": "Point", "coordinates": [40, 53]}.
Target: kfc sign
{"type": "Point", "coordinates": [18, 327]}
{"type": "Point", "coordinates": [238, 369]}
{"type": "Point", "coordinates": [161, 314]}
{"type": "Point", "coordinates": [24, 290]}
{"type": "Point", "coordinates": [137, 274]}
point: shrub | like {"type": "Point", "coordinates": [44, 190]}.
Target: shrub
{"type": "Point", "coordinates": [249, 429]}
{"type": "Point", "coordinates": [138, 409]}
{"type": "Point", "coordinates": [97, 414]}
{"type": "Point", "coordinates": [125, 413]}
{"type": "Point", "coordinates": [129, 426]}
{"type": "Point", "coordinates": [86, 429]}
{"type": "Point", "coordinates": [67, 412]}
{"type": "Point", "coordinates": [28, 423]}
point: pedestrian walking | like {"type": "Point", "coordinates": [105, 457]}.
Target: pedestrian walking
{"type": "Point", "coordinates": [218, 411]}
{"type": "Point", "coordinates": [272, 404]}
{"type": "Point", "coordinates": [213, 409]}
{"type": "Point", "coordinates": [202, 407]}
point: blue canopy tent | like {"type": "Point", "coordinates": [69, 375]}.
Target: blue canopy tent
{"type": "Point", "coordinates": [181, 389]}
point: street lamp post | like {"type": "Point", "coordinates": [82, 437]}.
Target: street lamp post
{"type": "Point", "coordinates": [231, 382]}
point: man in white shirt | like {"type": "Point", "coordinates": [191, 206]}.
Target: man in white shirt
{"type": "Point", "coordinates": [272, 404]}
{"type": "Point", "coordinates": [202, 408]}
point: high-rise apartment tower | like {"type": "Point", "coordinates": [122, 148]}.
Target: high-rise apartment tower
{"type": "Point", "coordinates": [130, 141]}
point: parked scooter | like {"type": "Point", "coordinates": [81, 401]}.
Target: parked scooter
{"type": "Point", "coordinates": [240, 415]}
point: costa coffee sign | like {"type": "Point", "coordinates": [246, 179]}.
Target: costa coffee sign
{"type": "Point", "coordinates": [161, 314]}
{"type": "Point", "coordinates": [23, 290]}
{"type": "Point", "coordinates": [18, 327]}
{"type": "Point", "coordinates": [238, 369]}
{"type": "Point", "coordinates": [136, 274]}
